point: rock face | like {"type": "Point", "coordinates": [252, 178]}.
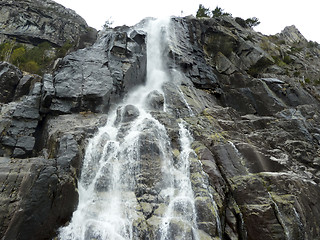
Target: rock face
{"type": "Point", "coordinates": [37, 21]}
{"type": "Point", "coordinates": [250, 101]}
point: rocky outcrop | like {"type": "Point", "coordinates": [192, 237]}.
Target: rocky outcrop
{"type": "Point", "coordinates": [255, 134]}
{"type": "Point", "coordinates": [255, 169]}
{"type": "Point", "coordinates": [50, 118]}
{"type": "Point", "coordinates": [36, 21]}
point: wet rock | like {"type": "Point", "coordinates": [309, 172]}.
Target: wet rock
{"type": "Point", "coordinates": [254, 163]}
{"type": "Point", "coordinates": [129, 113]}
{"type": "Point", "coordinates": [155, 101]}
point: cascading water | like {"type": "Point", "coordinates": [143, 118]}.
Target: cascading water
{"type": "Point", "coordinates": [116, 193]}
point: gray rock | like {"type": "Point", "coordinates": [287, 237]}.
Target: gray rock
{"type": "Point", "coordinates": [30, 21]}
{"type": "Point", "coordinates": [129, 113]}
{"type": "Point", "coordinates": [25, 85]}
{"type": "Point", "coordinates": [39, 198]}
{"type": "Point", "coordinates": [155, 101]}
{"type": "Point", "coordinates": [26, 142]}
{"type": "Point", "coordinates": [9, 79]}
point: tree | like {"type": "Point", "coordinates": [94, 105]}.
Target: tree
{"type": "Point", "coordinates": [203, 12]}
{"type": "Point", "coordinates": [252, 22]}
{"type": "Point", "coordinates": [218, 12]}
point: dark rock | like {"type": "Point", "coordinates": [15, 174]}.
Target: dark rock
{"type": "Point", "coordinates": [18, 152]}
{"type": "Point", "coordinates": [129, 113]}
{"type": "Point", "coordinates": [25, 84]}
{"type": "Point", "coordinates": [9, 79]}
{"type": "Point", "coordinates": [44, 21]}
{"type": "Point", "coordinates": [48, 92]}
{"type": "Point", "coordinates": [92, 78]}
{"type": "Point", "coordinates": [41, 197]}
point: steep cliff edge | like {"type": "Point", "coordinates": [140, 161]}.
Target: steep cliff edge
{"type": "Point", "coordinates": [250, 101]}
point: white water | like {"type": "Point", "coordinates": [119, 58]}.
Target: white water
{"type": "Point", "coordinates": [181, 209]}
{"type": "Point", "coordinates": [108, 207]}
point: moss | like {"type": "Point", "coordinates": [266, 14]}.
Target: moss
{"type": "Point", "coordinates": [218, 137]}
{"type": "Point", "coordinates": [283, 199]}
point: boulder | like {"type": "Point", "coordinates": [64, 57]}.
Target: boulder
{"type": "Point", "coordinates": [155, 100]}
{"type": "Point", "coordinates": [10, 77]}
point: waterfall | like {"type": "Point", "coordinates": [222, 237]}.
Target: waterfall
{"type": "Point", "coordinates": [181, 209]}
{"type": "Point", "coordinates": [117, 196]}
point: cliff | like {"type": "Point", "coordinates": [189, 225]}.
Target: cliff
{"type": "Point", "coordinates": [37, 21]}
{"type": "Point", "coordinates": [251, 103]}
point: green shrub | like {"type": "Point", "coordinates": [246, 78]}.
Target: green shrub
{"type": "Point", "coordinates": [296, 74]}
{"type": "Point", "coordinates": [18, 56]}
{"type": "Point", "coordinates": [203, 12]}
{"type": "Point", "coordinates": [252, 22]}
{"type": "Point", "coordinates": [287, 59]}
{"type": "Point", "coordinates": [312, 44]}
{"type": "Point", "coordinates": [278, 61]}
{"type": "Point", "coordinates": [31, 67]}
{"type": "Point", "coordinates": [35, 59]}
{"type": "Point", "coordinates": [317, 82]}
{"type": "Point", "coordinates": [294, 50]}
{"type": "Point", "coordinates": [64, 49]}
{"type": "Point", "coordinates": [218, 12]}
{"type": "Point", "coordinates": [6, 50]}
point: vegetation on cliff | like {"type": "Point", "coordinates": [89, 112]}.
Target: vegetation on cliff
{"type": "Point", "coordinates": [33, 59]}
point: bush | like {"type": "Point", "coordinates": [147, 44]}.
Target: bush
{"type": "Point", "coordinates": [35, 59]}
{"type": "Point", "coordinates": [279, 61]}
{"type": "Point", "coordinates": [218, 11]}
{"type": "Point", "coordinates": [252, 22]}
{"type": "Point", "coordinates": [31, 67]}
{"type": "Point", "coordinates": [203, 12]}
{"type": "Point", "coordinates": [18, 56]}
{"type": "Point", "coordinates": [287, 59]}
{"type": "Point", "coordinates": [312, 44]}
{"type": "Point", "coordinates": [64, 49]}
{"type": "Point", "coordinates": [296, 74]}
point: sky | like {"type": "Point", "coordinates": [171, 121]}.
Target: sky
{"type": "Point", "coordinates": [274, 15]}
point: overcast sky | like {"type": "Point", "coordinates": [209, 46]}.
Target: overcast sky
{"type": "Point", "coordinates": [274, 15]}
